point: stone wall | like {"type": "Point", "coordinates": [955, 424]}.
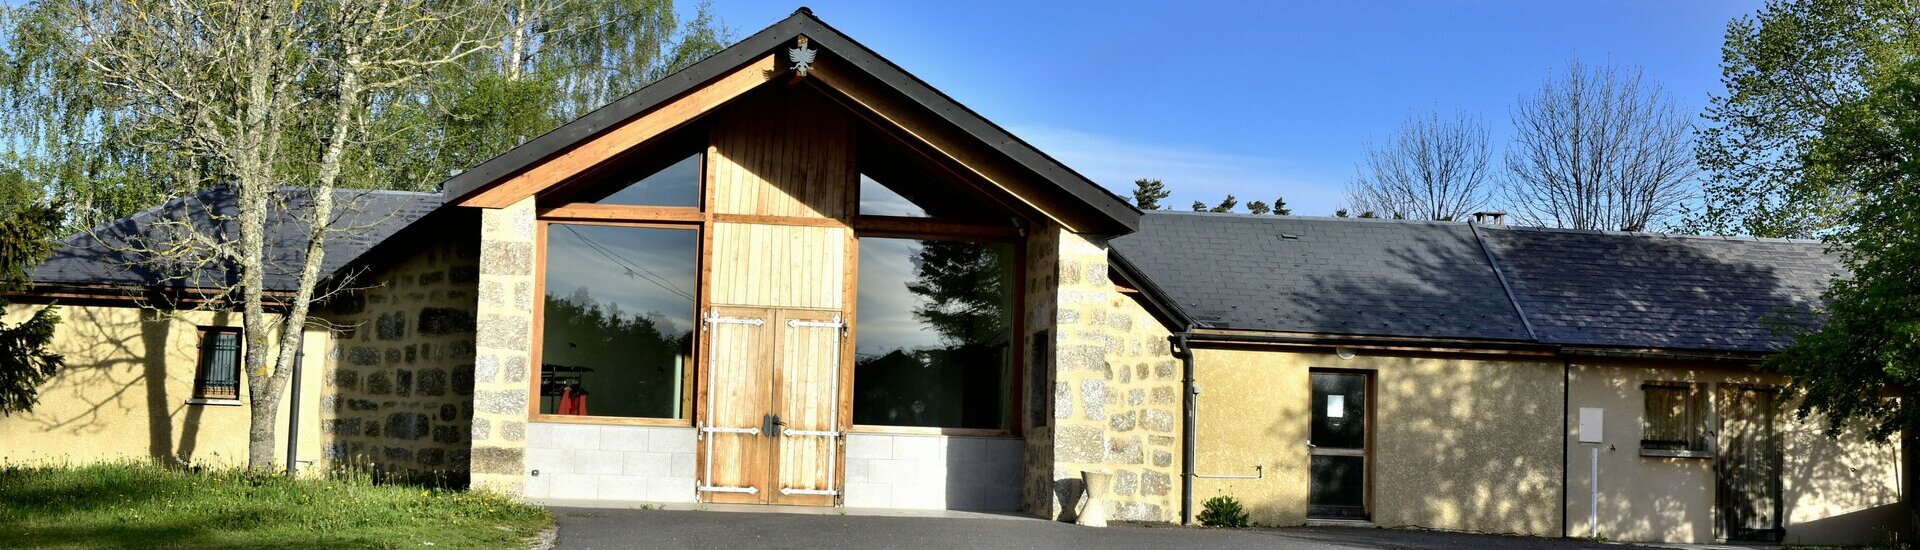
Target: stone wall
{"type": "Point", "coordinates": [504, 340]}
{"type": "Point", "coordinates": [1116, 391]}
{"type": "Point", "coordinates": [399, 374]}
{"type": "Point", "coordinates": [1043, 277]}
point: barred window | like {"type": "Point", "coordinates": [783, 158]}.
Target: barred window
{"type": "Point", "coordinates": [1675, 419]}
{"type": "Point", "coordinates": [219, 374]}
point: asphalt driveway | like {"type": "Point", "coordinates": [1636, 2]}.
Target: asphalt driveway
{"type": "Point", "coordinates": [598, 529]}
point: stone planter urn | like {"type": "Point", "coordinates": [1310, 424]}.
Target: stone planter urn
{"type": "Point", "coordinates": [1094, 511]}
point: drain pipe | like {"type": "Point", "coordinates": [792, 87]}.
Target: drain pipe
{"type": "Point", "coordinates": [1190, 425]}
{"type": "Point", "coordinates": [293, 408]}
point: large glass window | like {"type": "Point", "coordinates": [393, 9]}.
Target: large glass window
{"type": "Point", "coordinates": [934, 333]}
{"type": "Point", "coordinates": [879, 200]}
{"type": "Point", "coordinates": [618, 320]}
{"type": "Point", "coordinates": [676, 184]}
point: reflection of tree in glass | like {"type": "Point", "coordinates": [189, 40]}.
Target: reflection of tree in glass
{"type": "Point", "coordinates": [964, 289]}
{"type": "Point", "coordinates": [632, 355]}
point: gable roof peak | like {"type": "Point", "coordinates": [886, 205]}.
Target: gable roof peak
{"type": "Point", "coordinates": [1095, 208]}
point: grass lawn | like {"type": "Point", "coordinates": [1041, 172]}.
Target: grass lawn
{"type": "Point", "coordinates": [138, 506]}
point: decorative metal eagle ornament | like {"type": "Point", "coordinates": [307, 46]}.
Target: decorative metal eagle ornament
{"type": "Point", "coordinates": [802, 57]}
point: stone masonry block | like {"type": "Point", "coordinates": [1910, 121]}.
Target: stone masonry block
{"type": "Point", "coordinates": [1093, 398]}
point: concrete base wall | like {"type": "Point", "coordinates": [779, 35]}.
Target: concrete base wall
{"type": "Point", "coordinates": [933, 472]}
{"type": "Point", "coordinates": [610, 463]}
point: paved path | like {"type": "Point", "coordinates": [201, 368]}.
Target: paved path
{"type": "Point", "coordinates": [599, 529]}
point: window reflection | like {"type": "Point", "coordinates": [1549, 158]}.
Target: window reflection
{"type": "Point", "coordinates": [617, 330]}
{"type": "Point", "coordinates": [933, 334]}
{"type": "Point", "coordinates": [677, 184]}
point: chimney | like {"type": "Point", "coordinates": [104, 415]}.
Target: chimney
{"type": "Point", "coordinates": [1490, 219]}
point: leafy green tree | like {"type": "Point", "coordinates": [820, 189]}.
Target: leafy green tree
{"type": "Point", "coordinates": [1259, 207]}
{"type": "Point", "coordinates": [25, 359]}
{"type": "Point", "coordinates": [115, 104]}
{"type": "Point", "coordinates": [1850, 367]}
{"type": "Point", "coordinates": [1787, 69]}
{"type": "Point", "coordinates": [1147, 193]}
{"type": "Point", "coordinates": [1280, 207]}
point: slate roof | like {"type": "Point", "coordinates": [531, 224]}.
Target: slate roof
{"type": "Point", "coordinates": [113, 254]}
{"type": "Point", "coordinates": [1593, 288]}
{"type": "Point", "coordinates": [1323, 275]}
{"type": "Point", "coordinates": [1117, 213]}
{"type": "Point", "coordinates": [1389, 278]}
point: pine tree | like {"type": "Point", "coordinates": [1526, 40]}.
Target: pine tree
{"type": "Point", "coordinates": [1258, 207]}
{"type": "Point", "coordinates": [1226, 205]}
{"type": "Point", "coordinates": [1147, 193]}
{"type": "Point", "coordinates": [25, 360]}
{"type": "Point", "coordinates": [1280, 207]}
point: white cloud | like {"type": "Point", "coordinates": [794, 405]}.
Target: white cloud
{"type": "Point", "coordinates": [1192, 172]}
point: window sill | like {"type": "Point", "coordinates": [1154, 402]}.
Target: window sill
{"type": "Point", "coordinates": [923, 430]}
{"type": "Point", "coordinates": [610, 420]}
{"type": "Point", "coordinates": [215, 402]}
{"type": "Point", "coordinates": [1663, 453]}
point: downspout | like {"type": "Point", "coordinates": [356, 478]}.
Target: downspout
{"type": "Point", "coordinates": [1566, 424]}
{"type": "Point", "coordinates": [293, 408]}
{"type": "Point", "coordinates": [1190, 425]}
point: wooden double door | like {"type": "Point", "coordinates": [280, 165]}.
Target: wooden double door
{"type": "Point", "coordinates": [771, 430]}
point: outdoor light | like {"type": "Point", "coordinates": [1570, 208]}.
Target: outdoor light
{"type": "Point", "coordinates": [1344, 353]}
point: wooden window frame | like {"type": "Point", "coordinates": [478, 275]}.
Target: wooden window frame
{"type": "Point", "coordinates": [1017, 403]}
{"type": "Point", "coordinates": [688, 382]}
{"type": "Point", "coordinates": [199, 394]}
{"type": "Point", "coordinates": [1699, 409]}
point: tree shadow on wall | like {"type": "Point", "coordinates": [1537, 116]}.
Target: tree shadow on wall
{"type": "Point", "coordinates": [1577, 287]}
{"type": "Point", "coordinates": [117, 372]}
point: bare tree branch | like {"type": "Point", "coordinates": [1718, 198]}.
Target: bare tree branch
{"type": "Point", "coordinates": [1599, 148]}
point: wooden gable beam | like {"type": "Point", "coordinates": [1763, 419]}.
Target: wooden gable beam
{"type": "Point", "coordinates": [635, 131]}
{"type": "Point", "coordinates": [936, 134]}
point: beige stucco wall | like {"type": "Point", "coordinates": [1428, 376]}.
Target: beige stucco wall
{"type": "Point", "coordinates": [123, 393]}
{"type": "Point", "coordinates": [1459, 443]}
{"type": "Point", "coordinates": [1844, 491]}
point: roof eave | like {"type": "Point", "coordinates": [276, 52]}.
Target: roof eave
{"type": "Point", "coordinates": [1115, 215]}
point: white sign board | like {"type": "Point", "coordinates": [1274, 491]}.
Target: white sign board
{"type": "Point", "coordinates": [1590, 419]}
{"type": "Point", "coordinates": [1336, 406]}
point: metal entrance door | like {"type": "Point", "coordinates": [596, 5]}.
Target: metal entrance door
{"type": "Point", "coordinates": [1337, 486]}
{"type": "Point", "coordinates": [1749, 465]}
{"type": "Point", "coordinates": [769, 423]}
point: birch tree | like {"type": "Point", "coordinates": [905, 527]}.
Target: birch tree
{"type": "Point", "coordinates": [269, 97]}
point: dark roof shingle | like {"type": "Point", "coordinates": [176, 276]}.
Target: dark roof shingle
{"type": "Point", "coordinates": [115, 254]}
{"type": "Point", "coordinates": [1340, 276]}
{"type": "Point", "coordinates": [1324, 275]}
{"type": "Point", "coordinates": [1594, 288]}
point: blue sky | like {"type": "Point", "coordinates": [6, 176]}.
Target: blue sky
{"type": "Point", "coordinates": [1257, 98]}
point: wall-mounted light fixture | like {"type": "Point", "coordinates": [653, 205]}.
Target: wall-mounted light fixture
{"type": "Point", "coordinates": [1344, 353]}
